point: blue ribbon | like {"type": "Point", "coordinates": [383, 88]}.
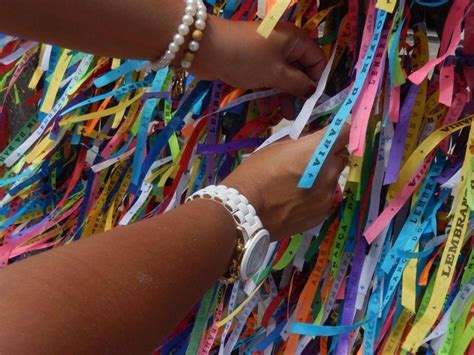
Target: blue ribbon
{"type": "Point", "coordinates": [118, 72]}
{"type": "Point", "coordinates": [201, 90]}
{"type": "Point", "coordinates": [334, 129]}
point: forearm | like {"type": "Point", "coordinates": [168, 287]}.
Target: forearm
{"type": "Point", "coordinates": [132, 29]}
{"type": "Point", "coordinates": [121, 291]}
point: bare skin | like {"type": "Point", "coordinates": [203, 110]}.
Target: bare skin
{"type": "Point", "coordinates": [123, 291]}
{"type": "Point", "coordinates": [230, 51]}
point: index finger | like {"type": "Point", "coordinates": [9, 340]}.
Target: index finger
{"type": "Point", "coordinates": [342, 140]}
{"type": "Point", "coordinates": [309, 55]}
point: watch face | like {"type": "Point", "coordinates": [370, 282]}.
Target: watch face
{"type": "Point", "coordinates": [255, 253]}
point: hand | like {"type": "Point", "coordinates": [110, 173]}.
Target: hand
{"type": "Point", "coordinates": [269, 179]}
{"type": "Point", "coordinates": [233, 51]}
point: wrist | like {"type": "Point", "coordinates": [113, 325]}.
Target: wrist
{"type": "Point", "coordinates": [253, 239]}
{"type": "Point", "coordinates": [227, 236]}
{"type": "Point", "coordinates": [186, 41]}
{"type": "Point", "coordinates": [211, 53]}
{"type": "Point", "coordinates": [163, 32]}
{"type": "Point", "coordinates": [250, 190]}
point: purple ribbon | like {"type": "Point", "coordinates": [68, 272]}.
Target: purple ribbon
{"type": "Point", "coordinates": [396, 153]}
{"type": "Point", "coordinates": [351, 294]}
{"type": "Point", "coordinates": [449, 172]}
{"type": "Point", "coordinates": [155, 95]}
{"type": "Point", "coordinates": [460, 57]}
{"type": "Point", "coordinates": [212, 130]}
{"type": "Point", "coordinates": [469, 108]}
{"type": "Point", "coordinates": [230, 147]}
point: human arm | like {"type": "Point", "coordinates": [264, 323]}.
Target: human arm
{"type": "Point", "coordinates": [123, 291]}
{"type": "Point", "coordinates": [231, 51]}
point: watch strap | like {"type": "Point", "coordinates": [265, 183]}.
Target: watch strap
{"type": "Point", "coordinates": [238, 205]}
{"type": "Point", "coordinates": [245, 217]}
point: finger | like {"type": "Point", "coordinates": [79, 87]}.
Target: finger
{"type": "Point", "coordinates": [287, 106]}
{"type": "Point", "coordinates": [313, 135]}
{"type": "Point", "coordinates": [339, 147]}
{"type": "Point", "coordinates": [329, 186]}
{"type": "Point", "coordinates": [336, 160]}
{"type": "Point", "coordinates": [267, 105]}
{"type": "Point", "coordinates": [309, 55]}
{"type": "Point", "coordinates": [293, 81]}
{"type": "Point", "coordinates": [334, 185]}
{"type": "Point", "coordinates": [339, 164]}
{"type": "Point", "coordinates": [332, 167]}
{"type": "Point", "coordinates": [333, 164]}
{"type": "Point", "coordinates": [315, 72]}
{"type": "Point", "coordinates": [342, 140]}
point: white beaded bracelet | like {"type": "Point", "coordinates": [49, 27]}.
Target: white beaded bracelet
{"type": "Point", "coordinates": [197, 36]}
{"type": "Point", "coordinates": [192, 7]}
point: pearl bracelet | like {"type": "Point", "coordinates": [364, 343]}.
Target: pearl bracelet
{"type": "Point", "coordinates": [192, 7]}
{"type": "Point", "coordinates": [196, 37]}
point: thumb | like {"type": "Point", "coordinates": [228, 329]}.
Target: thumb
{"type": "Point", "coordinates": [293, 81]}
